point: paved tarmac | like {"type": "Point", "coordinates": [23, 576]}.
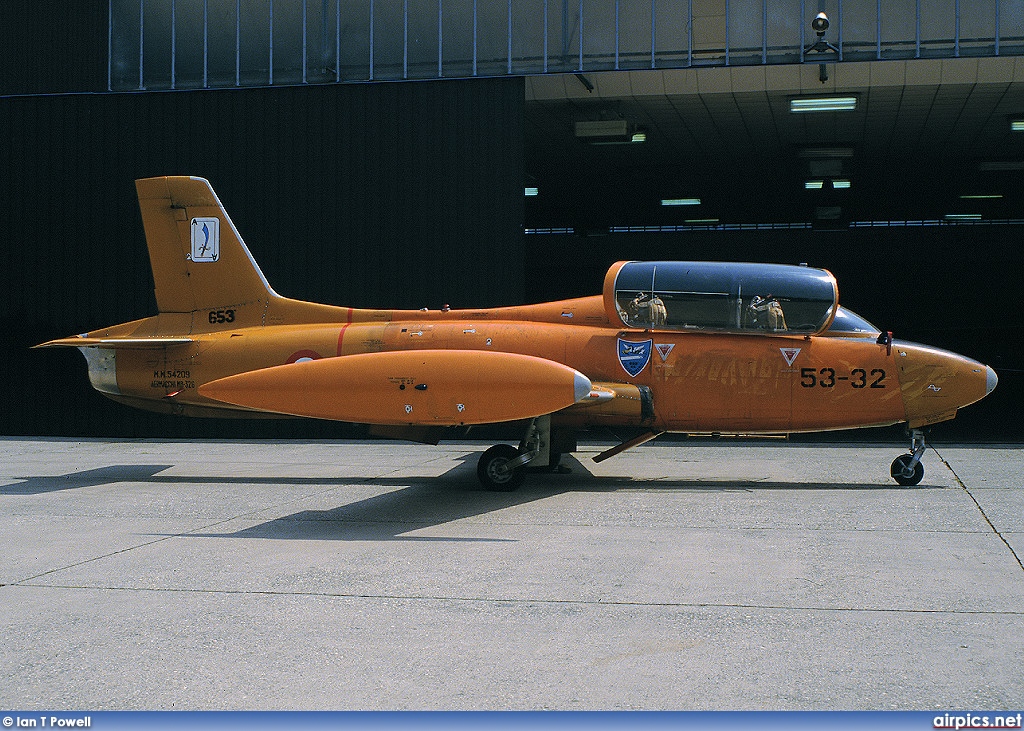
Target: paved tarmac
{"type": "Point", "coordinates": [697, 575]}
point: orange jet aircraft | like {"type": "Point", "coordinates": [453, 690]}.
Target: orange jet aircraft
{"type": "Point", "coordinates": [692, 347]}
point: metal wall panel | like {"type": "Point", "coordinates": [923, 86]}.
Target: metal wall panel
{"type": "Point", "coordinates": [389, 195]}
{"type": "Point", "coordinates": [53, 47]}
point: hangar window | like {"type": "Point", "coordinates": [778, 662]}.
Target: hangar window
{"type": "Point", "coordinates": [724, 297]}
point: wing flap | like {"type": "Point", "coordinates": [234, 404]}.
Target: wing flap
{"type": "Point", "coordinates": [425, 387]}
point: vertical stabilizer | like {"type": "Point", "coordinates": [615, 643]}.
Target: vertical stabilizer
{"type": "Point", "coordinates": [199, 261]}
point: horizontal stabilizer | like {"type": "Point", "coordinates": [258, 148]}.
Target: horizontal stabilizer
{"type": "Point", "coordinates": [114, 343]}
{"type": "Point", "coordinates": [435, 387]}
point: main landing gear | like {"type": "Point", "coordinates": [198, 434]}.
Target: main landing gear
{"type": "Point", "coordinates": [907, 469]}
{"type": "Point", "coordinates": [502, 468]}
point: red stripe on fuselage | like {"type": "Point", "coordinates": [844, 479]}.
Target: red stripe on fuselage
{"type": "Point", "coordinates": [341, 335]}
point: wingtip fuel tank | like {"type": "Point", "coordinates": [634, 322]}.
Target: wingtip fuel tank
{"type": "Point", "coordinates": [422, 387]}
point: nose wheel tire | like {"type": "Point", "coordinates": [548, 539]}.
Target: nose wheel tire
{"type": "Point", "coordinates": [492, 469]}
{"type": "Point", "coordinates": [903, 473]}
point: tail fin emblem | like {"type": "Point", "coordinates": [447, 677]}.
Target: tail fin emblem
{"type": "Point", "coordinates": [205, 239]}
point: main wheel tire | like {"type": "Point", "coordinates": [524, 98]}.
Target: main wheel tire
{"type": "Point", "coordinates": [902, 474]}
{"type": "Point", "coordinates": [490, 472]}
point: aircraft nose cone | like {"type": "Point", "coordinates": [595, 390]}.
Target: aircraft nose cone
{"type": "Point", "coordinates": [936, 383]}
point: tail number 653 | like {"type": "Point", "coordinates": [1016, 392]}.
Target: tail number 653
{"type": "Point", "coordinates": [219, 317]}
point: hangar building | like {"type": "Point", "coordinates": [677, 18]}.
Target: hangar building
{"type": "Point", "coordinates": [405, 153]}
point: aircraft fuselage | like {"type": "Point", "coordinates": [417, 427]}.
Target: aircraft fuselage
{"type": "Point", "coordinates": [699, 383]}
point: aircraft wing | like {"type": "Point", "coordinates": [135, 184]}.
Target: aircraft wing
{"type": "Point", "coordinates": [133, 343]}
{"type": "Point", "coordinates": [420, 387]}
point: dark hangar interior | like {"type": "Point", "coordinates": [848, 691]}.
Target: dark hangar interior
{"type": "Point", "coordinates": [390, 154]}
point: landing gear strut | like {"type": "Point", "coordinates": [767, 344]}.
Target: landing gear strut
{"type": "Point", "coordinates": [907, 469]}
{"type": "Point", "coordinates": [502, 468]}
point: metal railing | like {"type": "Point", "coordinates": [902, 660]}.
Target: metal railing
{"type": "Point", "coordinates": [172, 44]}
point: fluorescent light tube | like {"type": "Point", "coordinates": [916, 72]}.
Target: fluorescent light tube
{"type": "Point", "coordinates": [680, 201]}
{"type": "Point", "coordinates": [824, 153]}
{"type": "Point", "coordinates": [999, 166]}
{"type": "Point", "coordinates": [823, 104]}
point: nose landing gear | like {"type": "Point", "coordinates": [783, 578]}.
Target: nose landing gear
{"type": "Point", "coordinates": [907, 469]}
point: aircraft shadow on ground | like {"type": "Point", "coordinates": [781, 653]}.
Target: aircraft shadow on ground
{"type": "Point", "coordinates": [37, 485]}
{"type": "Point", "coordinates": [461, 478]}
{"type": "Point", "coordinates": [416, 503]}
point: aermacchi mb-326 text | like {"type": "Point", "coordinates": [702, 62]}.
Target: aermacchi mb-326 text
{"type": "Point", "coordinates": [691, 347]}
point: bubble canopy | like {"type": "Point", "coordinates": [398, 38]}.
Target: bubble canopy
{"type": "Point", "coordinates": [721, 297]}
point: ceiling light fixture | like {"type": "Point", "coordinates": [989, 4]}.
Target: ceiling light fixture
{"type": "Point", "coordinates": [963, 216]}
{"type": "Point", "coordinates": [1017, 125]}
{"type": "Point", "coordinates": [814, 184]}
{"type": "Point", "coordinates": [823, 104]}
{"type": "Point", "coordinates": [821, 153]}
{"type": "Point", "coordinates": [982, 197]}
{"type": "Point", "coordinates": [680, 201]}
{"type": "Point", "coordinates": [532, 191]}
{"type": "Point", "coordinates": [605, 132]}
{"type": "Point", "coordinates": [1000, 166]}
{"type": "Point", "coordinates": [602, 129]}
{"type": "Point", "coordinates": [841, 185]}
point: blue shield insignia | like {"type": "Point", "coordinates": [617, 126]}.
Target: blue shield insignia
{"type": "Point", "coordinates": [634, 357]}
